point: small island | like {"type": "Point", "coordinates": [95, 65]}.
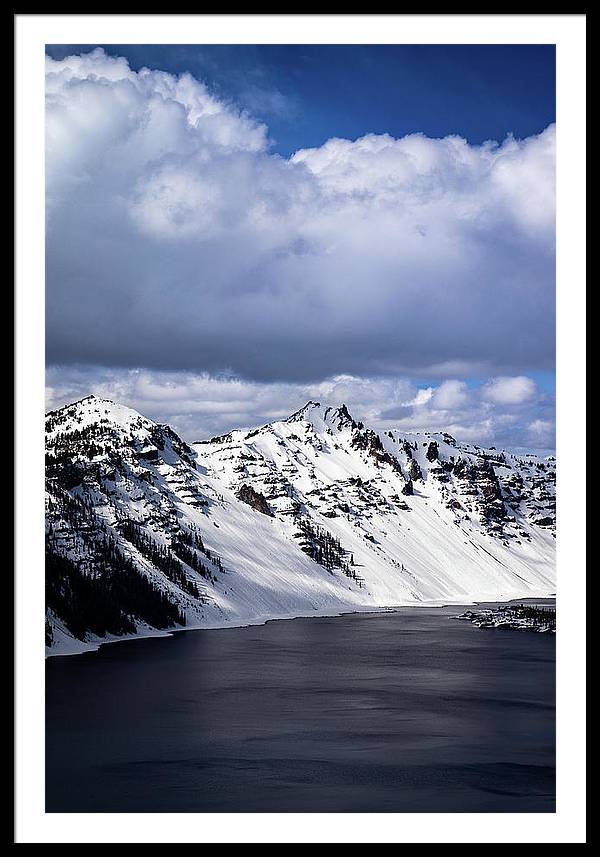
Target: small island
{"type": "Point", "coordinates": [520, 617]}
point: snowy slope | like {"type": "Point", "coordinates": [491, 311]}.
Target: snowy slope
{"type": "Point", "coordinates": [312, 515]}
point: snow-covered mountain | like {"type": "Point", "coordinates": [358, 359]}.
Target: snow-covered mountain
{"type": "Point", "coordinates": [312, 515]}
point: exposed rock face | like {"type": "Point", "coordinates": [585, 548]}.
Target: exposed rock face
{"type": "Point", "coordinates": [255, 499]}
{"type": "Point", "coordinates": [460, 467]}
{"type": "Point", "coordinates": [544, 522]}
{"type": "Point", "coordinates": [432, 451]}
{"type": "Point", "coordinates": [414, 471]}
{"type": "Point", "coordinates": [371, 443]}
{"type": "Point", "coordinates": [149, 455]}
{"type": "Point", "coordinates": [485, 478]}
{"type": "Point", "coordinates": [479, 483]}
{"type": "Point", "coordinates": [340, 417]}
{"type": "Point", "coordinates": [408, 489]}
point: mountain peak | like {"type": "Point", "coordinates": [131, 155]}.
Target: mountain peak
{"type": "Point", "coordinates": [91, 410]}
{"type": "Point", "coordinates": [341, 416]}
{"type": "Point", "coordinates": [303, 412]}
{"type": "Point", "coordinates": [330, 415]}
{"type": "Point", "coordinates": [91, 400]}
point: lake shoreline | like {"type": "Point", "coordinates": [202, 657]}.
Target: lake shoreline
{"type": "Point", "coordinates": [95, 646]}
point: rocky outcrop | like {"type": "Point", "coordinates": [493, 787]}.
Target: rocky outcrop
{"type": "Point", "coordinates": [491, 505]}
{"type": "Point", "coordinates": [255, 499]}
{"type": "Point", "coordinates": [408, 490]}
{"type": "Point", "coordinates": [543, 522]}
{"type": "Point", "coordinates": [340, 418]}
{"type": "Point", "coordinates": [432, 451]}
{"type": "Point", "coordinates": [414, 471]}
{"type": "Point", "coordinates": [370, 441]}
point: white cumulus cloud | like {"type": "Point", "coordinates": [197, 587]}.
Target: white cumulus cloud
{"type": "Point", "coordinates": [509, 391]}
{"type": "Point", "coordinates": [451, 394]}
{"type": "Point", "coordinates": [178, 240]}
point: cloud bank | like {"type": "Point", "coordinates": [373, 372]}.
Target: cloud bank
{"type": "Point", "coordinates": [177, 241]}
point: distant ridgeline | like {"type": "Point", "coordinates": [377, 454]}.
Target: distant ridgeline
{"type": "Point", "coordinates": [316, 513]}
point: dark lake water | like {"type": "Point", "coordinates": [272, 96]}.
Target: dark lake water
{"type": "Point", "coordinates": [407, 711]}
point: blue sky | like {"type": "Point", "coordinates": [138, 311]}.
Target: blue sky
{"type": "Point", "coordinates": [234, 229]}
{"type": "Point", "coordinates": [309, 93]}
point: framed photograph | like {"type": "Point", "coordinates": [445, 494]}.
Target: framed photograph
{"type": "Point", "coordinates": [292, 285]}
